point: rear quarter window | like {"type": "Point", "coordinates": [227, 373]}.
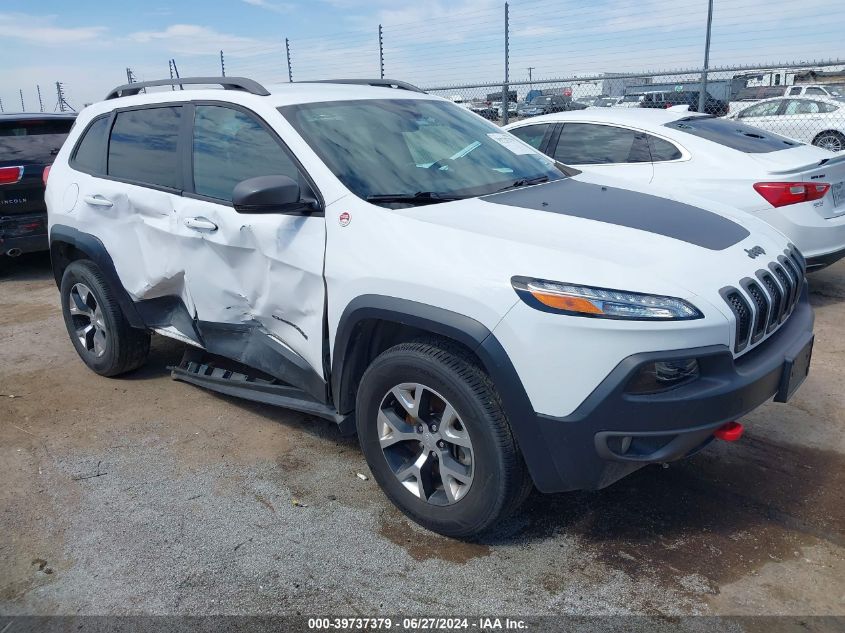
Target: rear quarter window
{"type": "Point", "coordinates": [733, 134]}
{"type": "Point", "coordinates": [90, 154]}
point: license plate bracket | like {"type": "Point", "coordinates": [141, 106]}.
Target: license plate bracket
{"type": "Point", "coordinates": [838, 191]}
{"type": "Point", "coordinates": [795, 370]}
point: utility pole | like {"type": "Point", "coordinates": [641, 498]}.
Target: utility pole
{"type": "Point", "coordinates": [222, 65]}
{"type": "Point", "coordinates": [530, 78]}
{"type": "Point", "coordinates": [176, 72]}
{"type": "Point", "coordinates": [381, 50]}
{"type": "Point", "coordinates": [40, 102]}
{"type": "Point", "coordinates": [505, 96]}
{"type": "Point", "coordinates": [290, 68]}
{"type": "Point", "coordinates": [23, 107]}
{"type": "Point", "coordinates": [702, 94]}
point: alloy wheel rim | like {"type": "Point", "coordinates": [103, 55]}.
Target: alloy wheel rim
{"type": "Point", "coordinates": [426, 444]}
{"type": "Point", "coordinates": [832, 143]}
{"type": "Point", "coordinates": [88, 322]}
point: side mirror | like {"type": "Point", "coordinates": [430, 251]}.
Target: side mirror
{"type": "Point", "coordinates": [269, 194]}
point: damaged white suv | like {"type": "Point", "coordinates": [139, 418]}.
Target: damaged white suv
{"type": "Point", "coordinates": [485, 318]}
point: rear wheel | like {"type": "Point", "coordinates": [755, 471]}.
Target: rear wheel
{"type": "Point", "coordinates": [97, 327]}
{"type": "Point", "coordinates": [830, 140]}
{"type": "Point", "coordinates": [437, 441]}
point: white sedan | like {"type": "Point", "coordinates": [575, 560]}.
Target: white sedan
{"type": "Point", "coordinates": [816, 120]}
{"type": "Point", "coordinates": [797, 188]}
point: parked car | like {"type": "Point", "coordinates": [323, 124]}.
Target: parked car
{"type": "Point", "coordinates": [797, 188]}
{"type": "Point", "coordinates": [829, 92]}
{"type": "Point", "coordinates": [607, 102]}
{"type": "Point", "coordinates": [813, 120]}
{"type": "Point", "coordinates": [512, 108]}
{"type": "Point", "coordinates": [588, 101]}
{"type": "Point", "coordinates": [28, 143]}
{"type": "Point", "coordinates": [671, 98]}
{"type": "Point", "coordinates": [630, 101]}
{"type": "Point", "coordinates": [546, 104]}
{"type": "Point", "coordinates": [485, 109]}
{"type": "Point", "coordinates": [379, 257]}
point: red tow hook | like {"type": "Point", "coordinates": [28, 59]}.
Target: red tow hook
{"type": "Point", "coordinates": [729, 432]}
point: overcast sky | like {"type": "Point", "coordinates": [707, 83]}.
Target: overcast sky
{"type": "Point", "coordinates": [88, 44]}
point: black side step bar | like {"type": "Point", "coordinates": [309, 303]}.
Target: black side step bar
{"type": "Point", "coordinates": [239, 385]}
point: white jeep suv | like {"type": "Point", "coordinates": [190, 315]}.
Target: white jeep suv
{"type": "Point", "coordinates": [485, 318]}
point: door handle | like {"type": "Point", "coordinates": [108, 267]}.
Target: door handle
{"type": "Point", "coordinates": [200, 224]}
{"type": "Point", "coordinates": [98, 201]}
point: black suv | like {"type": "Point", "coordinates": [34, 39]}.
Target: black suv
{"type": "Point", "coordinates": [667, 99]}
{"type": "Point", "coordinates": [28, 144]}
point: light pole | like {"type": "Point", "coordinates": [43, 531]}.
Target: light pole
{"type": "Point", "coordinates": [702, 94]}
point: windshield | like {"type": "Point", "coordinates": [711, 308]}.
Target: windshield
{"type": "Point", "coordinates": [541, 100]}
{"type": "Point", "coordinates": [409, 147]}
{"type": "Point", "coordinates": [605, 103]}
{"type": "Point", "coordinates": [632, 98]}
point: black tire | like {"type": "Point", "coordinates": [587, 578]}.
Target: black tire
{"type": "Point", "coordinates": [824, 139]}
{"type": "Point", "coordinates": [500, 479]}
{"type": "Point", "coordinates": [124, 348]}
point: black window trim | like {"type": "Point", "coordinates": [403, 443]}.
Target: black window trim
{"type": "Point", "coordinates": [685, 154]}
{"type": "Point", "coordinates": [184, 150]}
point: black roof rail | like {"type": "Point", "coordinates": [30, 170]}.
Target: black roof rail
{"type": "Point", "coordinates": [229, 83]}
{"type": "Point", "coordinates": [380, 83]}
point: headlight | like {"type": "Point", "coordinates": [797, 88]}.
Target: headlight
{"type": "Point", "coordinates": [604, 303]}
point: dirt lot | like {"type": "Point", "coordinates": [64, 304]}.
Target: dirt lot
{"type": "Point", "coordinates": [144, 495]}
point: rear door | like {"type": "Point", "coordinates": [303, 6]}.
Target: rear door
{"type": "Point", "coordinates": [765, 115]}
{"type": "Point", "coordinates": [619, 151]}
{"type": "Point", "coordinates": [255, 280]}
{"type": "Point", "coordinates": [126, 167]}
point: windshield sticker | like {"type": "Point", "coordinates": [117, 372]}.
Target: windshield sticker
{"type": "Point", "coordinates": [511, 143]}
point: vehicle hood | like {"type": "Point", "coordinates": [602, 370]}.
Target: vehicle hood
{"type": "Point", "coordinates": [582, 232]}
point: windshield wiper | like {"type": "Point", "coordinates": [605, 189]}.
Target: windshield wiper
{"type": "Point", "coordinates": [524, 182]}
{"type": "Point", "coordinates": [420, 197]}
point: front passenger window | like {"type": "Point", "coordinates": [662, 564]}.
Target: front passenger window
{"type": "Point", "coordinates": [231, 146]}
{"type": "Point", "coordinates": [531, 134]}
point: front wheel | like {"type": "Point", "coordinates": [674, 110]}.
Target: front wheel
{"type": "Point", "coordinates": [832, 140]}
{"type": "Point", "coordinates": [437, 441]}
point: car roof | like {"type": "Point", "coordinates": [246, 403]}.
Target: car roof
{"type": "Point", "coordinates": [633, 117]}
{"type": "Point", "coordinates": [823, 98]}
{"type": "Point", "coordinates": [29, 116]}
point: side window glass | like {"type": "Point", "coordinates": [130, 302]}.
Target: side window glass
{"type": "Point", "coordinates": [802, 106]}
{"type": "Point", "coordinates": [230, 146]}
{"type": "Point", "coordinates": [587, 144]}
{"type": "Point", "coordinates": [827, 107]}
{"type": "Point", "coordinates": [795, 91]}
{"type": "Point", "coordinates": [815, 91]}
{"type": "Point", "coordinates": [663, 150]}
{"type": "Point", "coordinates": [142, 147]}
{"type": "Point", "coordinates": [531, 134]}
{"type": "Point", "coordinates": [90, 154]}
{"type": "Point", "coordinates": [761, 109]}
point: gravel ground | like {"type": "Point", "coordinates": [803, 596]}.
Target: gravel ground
{"type": "Point", "coordinates": [142, 495]}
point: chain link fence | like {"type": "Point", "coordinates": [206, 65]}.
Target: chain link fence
{"type": "Point", "coordinates": [800, 101]}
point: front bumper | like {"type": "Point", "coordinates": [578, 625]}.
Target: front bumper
{"type": "Point", "coordinates": [583, 450]}
{"type": "Point", "coordinates": [23, 233]}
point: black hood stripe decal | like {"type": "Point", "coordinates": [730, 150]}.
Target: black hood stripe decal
{"type": "Point", "coordinates": [627, 208]}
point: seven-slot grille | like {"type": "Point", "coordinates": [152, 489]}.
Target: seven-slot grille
{"type": "Point", "coordinates": [761, 304]}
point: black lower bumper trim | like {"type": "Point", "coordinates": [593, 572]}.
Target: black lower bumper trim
{"type": "Point", "coordinates": [823, 261]}
{"type": "Point", "coordinates": [613, 433]}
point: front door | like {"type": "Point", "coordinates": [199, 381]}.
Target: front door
{"type": "Point", "coordinates": [255, 280]}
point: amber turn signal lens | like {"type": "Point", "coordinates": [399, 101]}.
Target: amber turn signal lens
{"type": "Point", "coordinates": [570, 304]}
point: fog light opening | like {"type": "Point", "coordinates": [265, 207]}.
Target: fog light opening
{"type": "Point", "coordinates": [663, 375]}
